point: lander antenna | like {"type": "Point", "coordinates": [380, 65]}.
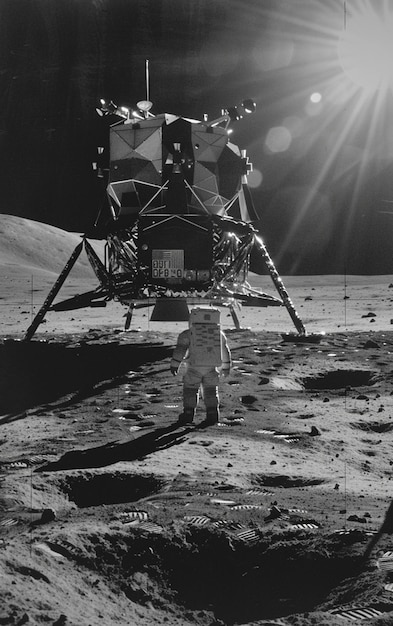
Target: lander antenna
{"type": "Point", "coordinates": [146, 105]}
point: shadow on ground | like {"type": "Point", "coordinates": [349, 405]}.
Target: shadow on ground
{"type": "Point", "coordinates": [33, 372]}
{"type": "Point", "coordinates": [112, 452]}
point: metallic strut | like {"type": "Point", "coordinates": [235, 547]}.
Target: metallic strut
{"type": "Point", "coordinates": [279, 285]}
{"type": "Point", "coordinates": [53, 292]}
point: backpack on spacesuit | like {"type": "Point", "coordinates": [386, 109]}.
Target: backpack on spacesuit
{"type": "Point", "coordinates": [205, 337]}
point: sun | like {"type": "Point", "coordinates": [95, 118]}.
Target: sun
{"type": "Point", "coordinates": [365, 49]}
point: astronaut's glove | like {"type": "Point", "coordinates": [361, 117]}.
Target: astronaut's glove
{"type": "Point", "coordinates": [174, 369]}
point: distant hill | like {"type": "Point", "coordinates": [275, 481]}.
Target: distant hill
{"type": "Point", "coordinates": [29, 245]}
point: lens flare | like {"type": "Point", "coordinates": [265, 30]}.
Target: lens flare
{"type": "Point", "coordinates": [315, 97]}
{"type": "Point", "coordinates": [278, 139]}
{"type": "Point", "coordinates": [254, 179]}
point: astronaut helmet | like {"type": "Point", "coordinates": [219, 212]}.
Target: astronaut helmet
{"type": "Point", "coordinates": [204, 315]}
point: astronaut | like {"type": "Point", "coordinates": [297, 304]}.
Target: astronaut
{"type": "Point", "coordinates": [202, 351]}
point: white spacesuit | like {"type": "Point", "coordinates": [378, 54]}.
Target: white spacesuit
{"type": "Point", "coordinates": [204, 351]}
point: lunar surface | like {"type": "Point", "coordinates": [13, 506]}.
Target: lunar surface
{"type": "Point", "coordinates": [113, 514]}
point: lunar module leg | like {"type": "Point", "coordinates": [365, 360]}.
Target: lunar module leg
{"type": "Point", "coordinates": [53, 292]}
{"type": "Point", "coordinates": [279, 285]}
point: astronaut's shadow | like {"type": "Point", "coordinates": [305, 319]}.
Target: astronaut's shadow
{"type": "Point", "coordinates": [114, 451]}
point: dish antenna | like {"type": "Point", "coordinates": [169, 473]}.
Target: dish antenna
{"type": "Point", "coordinates": [144, 106]}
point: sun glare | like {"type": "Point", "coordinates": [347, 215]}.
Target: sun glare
{"type": "Point", "coordinates": [365, 49]}
{"type": "Point", "coordinates": [337, 93]}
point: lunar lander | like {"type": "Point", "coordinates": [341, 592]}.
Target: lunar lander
{"type": "Point", "coordinates": [179, 228]}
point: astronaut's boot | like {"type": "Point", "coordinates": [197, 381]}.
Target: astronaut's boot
{"type": "Point", "coordinates": [212, 416]}
{"type": "Point", "coordinates": [187, 417]}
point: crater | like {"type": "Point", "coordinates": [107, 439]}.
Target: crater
{"type": "Point", "coordinates": [375, 427]}
{"type": "Point", "coordinates": [200, 570]}
{"type": "Point", "coordinates": [340, 379]}
{"type": "Point", "coordinates": [109, 488]}
{"type": "Point", "coordinates": [282, 480]}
